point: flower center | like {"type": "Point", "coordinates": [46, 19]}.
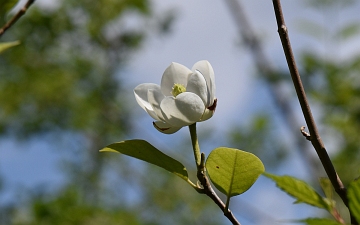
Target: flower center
{"type": "Point", "coordinates": [178, 89]}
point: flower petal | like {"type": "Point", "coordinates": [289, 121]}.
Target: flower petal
{"type": "Point", "coordinates": [209, 111]}
{"type": "Point", "coordinates": [187, 108]}
{"type": "Point", "coordinates": [155, 97]}
{"type": "Point", "coordinates": [141, 92]}
{"type": "Point", "coordinates": [152, 114]}
{"type": "Point", "coordinates": [174, 74]}
{"type": "Point", "coordinates": [207, 114]}
{"type": "Point", "coordinates": [197, 85]}
{"type": "Point", "coordinates": [165, 127]}
{"type": "Point", "coordinates": [205, 68]}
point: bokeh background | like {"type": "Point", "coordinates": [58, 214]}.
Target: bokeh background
{"type": "Point", "coordinates": [67, 91]}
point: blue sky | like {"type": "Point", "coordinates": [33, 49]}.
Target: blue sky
{"type": "Point", "coordinates": [204, 30]}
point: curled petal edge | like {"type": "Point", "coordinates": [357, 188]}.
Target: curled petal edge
{"type": "Point", "coordinates": [209, 112]}
{"type": "Point", "coordinates": [154, 98]}
{"type": "Point", "coordinates": [141, 96]}
{"type": "Point", "coordinates": [165, 128]}
{"type": "Point", "coordinates": [205, 68]}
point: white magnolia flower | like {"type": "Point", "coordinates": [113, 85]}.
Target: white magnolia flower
{"type": "Point", "coordinates": [184, 97]}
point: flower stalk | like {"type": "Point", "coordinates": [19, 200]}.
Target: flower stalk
{"type": "Point", "coordinates": [195, 145]}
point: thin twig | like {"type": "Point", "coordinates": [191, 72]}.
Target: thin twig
{"type": "Point", "coordinates": [17, 16]}
{"type": "Point", "coordinates": [209, 191]}
{"type": "Point", "coordinates": [263, 64]}
{"type": "Point", "coordinates": [314, 135]}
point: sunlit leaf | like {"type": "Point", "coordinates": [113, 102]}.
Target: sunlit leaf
{"type": "Point", "coordinates": [6, 45]}
{"type": "Point", "coordinates": [233, 171]}
{"type": "Point", "coordinates": [354, 198]}
{"type": "Point", "coordinates": [300, 190]}
{"type": "Point", "coordinates": [318, 221]}
{"type": "Point", "coordinates": [143, 150]}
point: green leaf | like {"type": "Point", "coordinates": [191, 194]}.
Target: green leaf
{"type": "Point", "coordinates": [233, 171]}
{"type": "Point", "coordinates": [6, 45]}
{"type": "Point", "coordinates": [300, 190]}
{"type": "Point", "coordinates": [318, 221]}
{"type": "Point", "coordinates": [354, 198]}
{"type": "Point", "coordinates": [142, 150]}
{"type": "Point", "coordinates": [326, 186]}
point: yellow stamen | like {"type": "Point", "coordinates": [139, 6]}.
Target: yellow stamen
{"type": "Point", "coordinates": [178, 89]}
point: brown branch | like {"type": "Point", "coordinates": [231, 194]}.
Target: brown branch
{"type": "Point", "coordinates": [16, 17]}
{"type": "Point", "coordinates": [314, 135]}
{"type": "Point", "coordinates": [265, 68]}
{"type": "Point", "coordinates": [209, 191]}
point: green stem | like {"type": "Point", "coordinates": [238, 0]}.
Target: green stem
{"type": "Point", "coordinates": [195, 144]}
{"type": "Point", "coordinates": [201, 175]}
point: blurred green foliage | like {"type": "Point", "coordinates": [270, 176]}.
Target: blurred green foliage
{"type": "Point", "coordinates": [258, 137]}
{"type": "Point", "coordinates": [63, 75]}
{"type": "Point", "coordinates": [63, 79]}
{"type": "Point", "coordinates": [5, 7]}
{"type": "Point", "coordinates": [332, 86]}
{"type": "Point", "coordinates": [335, 86]}
{"type": "Point", "coordinates": [66, 208]}
{"type": "Point", "coordinates": [66, 79]}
